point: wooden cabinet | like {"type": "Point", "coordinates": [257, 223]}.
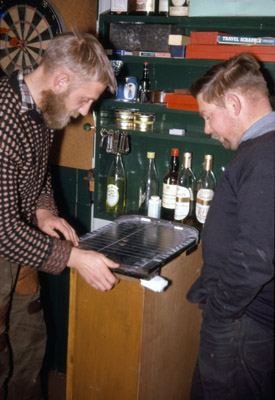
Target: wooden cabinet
{"type": "Point", "coordinates": [132, 343]}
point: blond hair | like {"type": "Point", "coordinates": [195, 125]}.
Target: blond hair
{"type": "Point", "coordinates": [83, 55]}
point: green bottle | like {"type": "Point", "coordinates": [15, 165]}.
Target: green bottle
{"type": "Point", "coordinates": [116, 187]}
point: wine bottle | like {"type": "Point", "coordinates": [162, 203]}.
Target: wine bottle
{"type": "Point", "coordinates": [178, 8]}
{"type": "Point", "coordinates": [149, 184]}
{"type": "Point", "coordinates": [205, 190]}
{"type": "Point", "coordinates": [116, 187]}
{"type": "Point", "coordinates": [144, 85]}
{"type": "Point", "coordinates": [186, 186]}
{"type": "Point", "coordinates": [145, 7]}
{"type": "Point", "coordinates": [170, 187]}
{"type": "Point", "coordinates": [123, 6]}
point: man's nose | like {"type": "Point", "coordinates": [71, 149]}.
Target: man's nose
{"type": "Point", "coordinates": [207, 128]}
{"type": "Point", "coordinates": [85, 109]}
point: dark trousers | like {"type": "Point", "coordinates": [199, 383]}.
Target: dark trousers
{"type": "Point", "coordinates": [235, 361]}
{"type": "Point", "coordinates": [22, 333]}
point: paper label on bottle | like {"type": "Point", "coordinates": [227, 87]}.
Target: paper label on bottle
{"type": "Point", "coordinates": [204, 198]}
{"type": "Point", "coordinates": [112, 195]}
{"type": "Point", "coordinates": [119, 5]}
{"type": "Point", "coordinates": [183, 198]}
{"type": "Point", "coordinates": [169, 196]}
{"type": "Point", "coordinates": [163, 5]}
{"type": "Point", "coordinates": [178, 3]}
{"type": "Point", "coordinates": [145, 5]}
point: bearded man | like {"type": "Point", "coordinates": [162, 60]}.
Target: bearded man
{"type": "Point", "coordinates": [73, 74]}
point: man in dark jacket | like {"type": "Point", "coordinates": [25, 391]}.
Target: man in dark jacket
{"type": "Point", "coordinates": [236, 287]}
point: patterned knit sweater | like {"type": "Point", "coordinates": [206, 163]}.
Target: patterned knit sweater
{"type": "Point", "coordinates": [25, 185]}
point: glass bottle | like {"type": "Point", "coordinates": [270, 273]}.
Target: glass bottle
{"type": "Point", "coordinates": [145, 7]}
{"type": "Point", "coordinates": [163, 8]}
{"type": "Point", "coordinates": [149, 184]}
{"type": "Point", "coordinates": [116, 187]}
{"type": "Point", "coordinates": [178, 8]}
{"type": "Point", "coordinates": [144, 85]}
{"type": "Point", "coordinates": [205, 190]}
{"type": "Point", "coordinates": [186, 186]}
{"type": "Point", "coordinates": [170, 187]}
{"type": "Point", "coordinates": [122, 6]}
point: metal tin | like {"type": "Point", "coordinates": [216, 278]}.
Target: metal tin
{"type": "Point", "coordinates": [124, 124]}
{"type": "Point", "coordinates": [144, 118]}
{"type": "Point", "coordinates": [127, 89]}
{"type": "Point", "coordinates": [144, 127]}
{"type": "Point", "coordinates": [124, 115]}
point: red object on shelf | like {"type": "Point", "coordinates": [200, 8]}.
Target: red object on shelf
{"type": "Point", "coordinates": [223, 52]}
{"type": "Point", "coordinates": [205, 37]}
{"type": "Point", "coordinates": [181, 102]}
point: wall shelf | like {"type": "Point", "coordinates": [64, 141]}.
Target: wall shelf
{"type": "Point", "coordinates": [167, 74]}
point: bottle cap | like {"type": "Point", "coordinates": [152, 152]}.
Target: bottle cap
{"type": "Point", "coordinates": [155, 198]}
{"type": "Point", "coordinates": [145, 63]}
{"type": "Point", "coordinates": [175, 152]}
{"type": "Point", "coordinates": [150, 154]}
{"type": "Point", "coordinates": [187, 155]}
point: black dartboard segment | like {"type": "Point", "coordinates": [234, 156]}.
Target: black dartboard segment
{"type": "Point", "coordinates": [26, 27]}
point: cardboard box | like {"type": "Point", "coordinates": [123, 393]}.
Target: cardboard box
{"type": "Point", "coordinates": [181, 102]}
{"type": "Point", "coordinates": [178, 51]}
{"type": "Point", "coordinates": [178, 40]}
{"type": "Point", "coordinates": [140, 37]}
{"type": "Point", "coordinates": [232, 8]}
{"type": "Point", "coordinates": [205, 37]}
{"type": "Point", "coordinates": [223, 52]}
{"type": "Point", "coordinates": [246, 40]}
{"type": "Point", "coordinates": [225, 38]}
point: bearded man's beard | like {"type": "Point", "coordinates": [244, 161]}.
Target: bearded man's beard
{"type": "Point", "coordinates": [54, 111]}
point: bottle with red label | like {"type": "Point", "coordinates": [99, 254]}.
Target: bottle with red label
{"type": "Point", "coordinates": [169, 187]}
{"type": "Point", "coordinates": [205, 190]}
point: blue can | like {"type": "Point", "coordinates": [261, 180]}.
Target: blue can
{"type": "Point", "coordinates": [127, 89]}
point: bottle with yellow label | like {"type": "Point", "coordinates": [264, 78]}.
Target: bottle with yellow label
{"type": "Point", "coordinates": [116, 187]}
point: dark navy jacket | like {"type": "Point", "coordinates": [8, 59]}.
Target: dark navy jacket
{"type": "Point", "coordinates": [238, 238]}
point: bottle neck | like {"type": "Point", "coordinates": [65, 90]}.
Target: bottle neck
{"type": "Point", "coordinates": [187, 162]}
{"type": "Point", "coordinates": [208, 164]}
{"type": "Point", "coordinates": [145, 73]}
{"type": "Point", "coordinates": [174, 164]}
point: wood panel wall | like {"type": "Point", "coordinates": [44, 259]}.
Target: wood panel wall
{"type": "Point", "coordinates": [73, 147]}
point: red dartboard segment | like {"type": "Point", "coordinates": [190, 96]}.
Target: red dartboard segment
{"type": "Point", "coordinates": [25, 32]}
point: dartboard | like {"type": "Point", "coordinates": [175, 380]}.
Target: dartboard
{"type": "Point", "coordinates": [26, 28]}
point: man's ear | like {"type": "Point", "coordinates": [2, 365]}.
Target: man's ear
{"type": "Point", "coordinates": [233, 102]}
{"type": "Point", "coordinates": [61, 82]}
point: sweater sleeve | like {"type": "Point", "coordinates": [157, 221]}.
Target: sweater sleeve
{"type": "Point", "coordinates": [46, 198]}
{"type": "Point", "coordinates": [24, 150]}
